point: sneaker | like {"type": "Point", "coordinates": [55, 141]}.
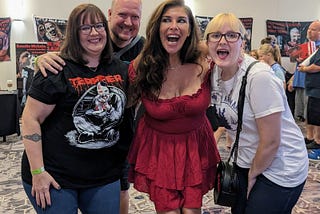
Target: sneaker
{"type": "Point", "coordinates": [313, 145]}
{"type": "Point", "coordinates": [314, 155]}
{"type": "Point", "coordinates": [307, 141]}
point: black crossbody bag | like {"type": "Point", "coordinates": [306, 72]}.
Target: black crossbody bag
{"type": "Point", "coordinates": [226, 185]}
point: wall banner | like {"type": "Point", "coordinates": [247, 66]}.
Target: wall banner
{"type": "Point", "coordinates": [287, 34]}
{"type": "Point", "coordinates": [25, 55]}
{"type": "Point", "coordinates": [50, 30]}
{"type": "Point", "coordinates": [5, 28]}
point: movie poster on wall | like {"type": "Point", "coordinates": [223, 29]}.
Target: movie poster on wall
{"type": "Point", "coordinates": [287, 34]}
{"type": "Point", "coordinates": [25, 55]}
{"type": "Point", "coordinates": [202, 22]}
{"type": "Point", "coordinates": [50, 30]}
{"type": "Point", "coordinates": [5, 28]}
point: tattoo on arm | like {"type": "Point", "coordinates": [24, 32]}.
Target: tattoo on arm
{"type": "Point", "coordinates": [33, 137]}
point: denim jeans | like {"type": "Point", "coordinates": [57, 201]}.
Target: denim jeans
{"type": "Point", "coordinates": [265, 197]}
{"type": "Point", "coordinates": [97, 200]}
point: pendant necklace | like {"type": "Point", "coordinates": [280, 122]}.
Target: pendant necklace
{"type": "Point", "coordinates": [93, 69]}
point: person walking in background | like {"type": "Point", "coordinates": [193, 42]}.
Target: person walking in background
{"type": "Point", "coordinates": [312, 88]}
{"type": "Point", "coordinates": [297, 83]}
{"type": "Point", "coordinates": [73, 124]}
{"type": "Point", "coordinates": [271, 39]}
{"type": "Point", "coordinates": [124, 18]}
{"type": "Point", "coordinates": [271, 55]}
{"type": "Point", "coordinates": [173, 156]}
{"type": "Point", "coordinates": [271, 144]}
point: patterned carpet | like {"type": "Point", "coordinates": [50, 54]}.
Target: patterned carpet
{"type": "Point", "coordinates": [14, 200]}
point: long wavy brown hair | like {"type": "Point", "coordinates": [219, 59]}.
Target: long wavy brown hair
{"type": "Point", "coordinates": [154, 59]}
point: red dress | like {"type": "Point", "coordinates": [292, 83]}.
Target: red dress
{"type": "Point", "coordinates": [174, 146]}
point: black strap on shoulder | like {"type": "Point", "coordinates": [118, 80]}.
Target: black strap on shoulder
{"type": "Point", "coordinates": [241, 98]}
{"type": "Point", "coordinates": [123, 50]}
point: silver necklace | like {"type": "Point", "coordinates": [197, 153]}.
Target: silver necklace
{"type": "Point", "coordinates": [176, 67]}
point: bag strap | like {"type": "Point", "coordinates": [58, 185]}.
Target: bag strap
{"type": "Point", "coordinates": [123, 50]}
{"type": "Point", "coordinates": [241, 98]}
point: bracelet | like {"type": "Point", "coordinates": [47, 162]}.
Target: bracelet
{"type": "Point", "coordinates": [38, 171]}
{"type": "Point", "coordinates": [35, 64]}
{"type": "Point", "coordinates": [36, 61]}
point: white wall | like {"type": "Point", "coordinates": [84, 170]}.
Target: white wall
{"type": "Point", "coordinates": [23, 32]}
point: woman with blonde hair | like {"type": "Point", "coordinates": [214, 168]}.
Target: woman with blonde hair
{"type": "Point", "coordinates": [270, 54]}
{"type": "Point", "coordinates": [272, 161]}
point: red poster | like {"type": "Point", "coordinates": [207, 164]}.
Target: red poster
{"type": "Point", "coordinates": [25, 55]}
{"type": "Point", "coordinates": [5, 27]}
{"type": "Point", "coordinates": [301, 51]}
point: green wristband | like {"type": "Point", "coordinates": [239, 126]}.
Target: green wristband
{"type": "Point", "coordinates": [37, 171]}
{"type": "Point", "coordinates": [36, 61]}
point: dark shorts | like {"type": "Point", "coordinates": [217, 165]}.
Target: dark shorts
{"type": "Point", "coordinates": [125, 185]}
{"type": "Point", "coordinates": [313, 111]}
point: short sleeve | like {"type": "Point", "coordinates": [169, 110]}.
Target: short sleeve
{"type": "Point", "coordinates": [265, 94]}
{"type": "Point", "coordinates": [48, 89]}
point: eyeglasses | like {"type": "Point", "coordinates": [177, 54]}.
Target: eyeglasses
{"type": "Point", "coordinates": [229, 36]}
{"type": "Point", "coordinates": [86, 29]}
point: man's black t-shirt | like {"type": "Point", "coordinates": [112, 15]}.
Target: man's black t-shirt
{"type": "Point", "coordinates": [86, 138]}
{"type": "Point", "coordinates": [131, 53]}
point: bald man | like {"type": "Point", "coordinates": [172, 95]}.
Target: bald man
{"type": "Point", "coordinates": [312, 89]}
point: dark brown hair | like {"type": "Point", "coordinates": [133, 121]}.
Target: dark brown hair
{"type": "Point", "coordinates": [72, 48]}
{"type": "Point", "coordinates": [155, 59]}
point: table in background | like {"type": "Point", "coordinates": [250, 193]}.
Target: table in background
{"type": "Point", "coordinates": [9, 113]}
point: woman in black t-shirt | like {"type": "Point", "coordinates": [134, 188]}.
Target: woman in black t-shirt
{"type": "Point", "coordinates": [73, 124]}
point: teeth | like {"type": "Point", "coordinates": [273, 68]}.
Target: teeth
{"type": "Point", "coordinates": [223, 52]}
{"type": "Point", "coordinates": [173, 36]}
{"type": "Point", "coordinates": [94, 40]}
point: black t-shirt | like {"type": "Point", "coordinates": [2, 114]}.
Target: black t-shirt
{"type": "Point", "coordinates": [127, 57]}
{"type": "Point", "coordinates": [132, 53]}
{"type": "Point", "coordinates": [86, 138]}
{"type": "Point", "coordinates": [312, 81]}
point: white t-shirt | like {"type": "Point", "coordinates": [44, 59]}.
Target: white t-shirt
{"type": "Point", "coordinates": [264, 96]}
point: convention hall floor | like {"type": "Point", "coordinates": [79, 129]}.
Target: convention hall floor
{"type": "Point", "coordinates": [14, 200]}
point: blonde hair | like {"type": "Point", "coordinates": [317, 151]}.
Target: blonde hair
{"type": "Point", "coordinates": [273, 49]}
{"type": "Point", "coordinates": [254, 53]}
{"type": "Point", "coordinates": [225, 18]}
